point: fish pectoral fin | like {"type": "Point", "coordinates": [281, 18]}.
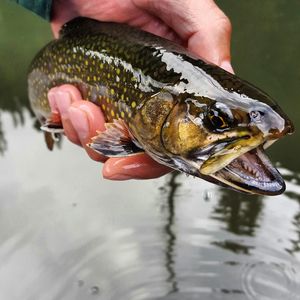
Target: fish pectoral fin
{"type": "Point", "coordinates": [115, 141]}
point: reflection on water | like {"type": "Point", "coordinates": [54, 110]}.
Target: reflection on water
{"type": "Point", "coordinates": [170, 235]}
{"type": "Point", "coordinates": [67, 234]}
{"type": "Point", "coordinates": [3, 143]}
{"type": "Point", "coordinates": [239, 211]}
{"type": "Point", "coordinates": [80, 237]}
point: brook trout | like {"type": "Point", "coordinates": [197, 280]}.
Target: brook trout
{"type": "Point", "coordinates": [157, 97]}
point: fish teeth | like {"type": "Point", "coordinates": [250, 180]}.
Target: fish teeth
{"type": "Point", "coordinates": [252, 171]}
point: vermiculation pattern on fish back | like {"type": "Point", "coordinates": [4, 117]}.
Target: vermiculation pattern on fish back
{"type": "Point", "coordinates": [111, 66]}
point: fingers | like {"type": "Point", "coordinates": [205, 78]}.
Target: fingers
{"type": "Point", "coordinates": [60, 99]}
{"type": "Point", "coordinates": [87, 119]}
{"type": "Point", "coordinates": [200, 23]}
{"type": "Point", "coordinates": [81, 119]}
{"type": "Point", "coordinates": [140, 166]}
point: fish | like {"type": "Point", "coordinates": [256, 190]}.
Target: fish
{"type": "Point", "coordinates": [159, 98]}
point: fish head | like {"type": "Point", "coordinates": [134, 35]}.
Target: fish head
{"type": "Point", "coordinates": [222, 140]}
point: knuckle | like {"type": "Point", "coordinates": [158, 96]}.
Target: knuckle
{"type": "Point", "coordinates": [224, 23]}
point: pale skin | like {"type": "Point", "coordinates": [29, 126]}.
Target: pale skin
{"type": "Point", "coordinates": [199, 25]}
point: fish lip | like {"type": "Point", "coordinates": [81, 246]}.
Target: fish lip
{"type": "Point", "coordinates": [258, 178]}
{"type": "Point", "coordinates": [204, 153]}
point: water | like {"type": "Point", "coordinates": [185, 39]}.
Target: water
{"type": "Point", "coordinates": [65, 233]}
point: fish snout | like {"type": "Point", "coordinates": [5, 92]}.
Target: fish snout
{"type": "Point", "coordinates": [272, 124]}
{"type": "Point", "coordinates": [276, 133]}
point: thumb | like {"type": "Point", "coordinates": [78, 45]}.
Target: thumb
{"type": "Point", "coordinates": [211, 40]}
{"type": "Point", "coordinates": [201, 25]}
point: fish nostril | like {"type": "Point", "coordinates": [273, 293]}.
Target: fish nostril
{"type": "Point", "coordinates": [256, 115]}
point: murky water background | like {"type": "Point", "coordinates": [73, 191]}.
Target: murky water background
{"type": "Point", "coordinates": [65, 233]}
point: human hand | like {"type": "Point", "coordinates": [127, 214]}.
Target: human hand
{"type": "Point", "coordinates": [199, 25]}
{"type": "Point", "coordinates": [82, 119]}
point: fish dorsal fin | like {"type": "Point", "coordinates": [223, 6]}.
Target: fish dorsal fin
{"type": "Point", "coordinates": [115, 141]}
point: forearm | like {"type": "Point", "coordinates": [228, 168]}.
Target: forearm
{"type": "Point", "coordinates": [40, 7]}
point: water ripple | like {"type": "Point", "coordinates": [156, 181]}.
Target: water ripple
{"type": "Point", "coordinates": [270, 281]}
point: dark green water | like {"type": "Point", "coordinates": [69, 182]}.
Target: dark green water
{"type": "Point", "coordinates": [65, 233]}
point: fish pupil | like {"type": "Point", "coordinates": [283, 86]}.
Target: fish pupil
{"type": "Point", "coordinates": [217, 119]}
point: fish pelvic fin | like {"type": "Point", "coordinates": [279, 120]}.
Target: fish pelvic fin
{"type": "Point", "coordinates": [52, 129]}
{"type": "Point", "coordinates": [53, 124]}
{"type": "Point", "coordinates": [115, 141]}
{"type": "Point", "coordinates": [51, 139]}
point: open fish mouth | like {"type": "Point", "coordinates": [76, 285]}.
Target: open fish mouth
{"type": "Point", "coordinates": [252, 172]}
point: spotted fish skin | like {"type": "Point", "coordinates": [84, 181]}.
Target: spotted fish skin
{"type": "Point", "coordinates": [113, 65]}
{"type": "Point", "coordinates": [184, 112]}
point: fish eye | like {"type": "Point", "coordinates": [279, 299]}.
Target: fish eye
{"type": "Point", "coordinates": [217, 120]}
{"type": "Point", "coordinates": [220, 117]}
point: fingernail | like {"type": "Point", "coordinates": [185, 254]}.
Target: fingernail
{"type": "Point", "coordinates": [52, 102]}
{"type": "Point", "coordinates": [118, 176]}
{"type": "Point", "coordinates": [80, 122]}
{"type": "Point", "coordinates": [63, 101]}
{"type": "Point", "coordinates": [226, 65]}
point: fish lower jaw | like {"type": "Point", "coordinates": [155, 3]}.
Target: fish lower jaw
{"type": "Point", "coordinates": [252, 173]}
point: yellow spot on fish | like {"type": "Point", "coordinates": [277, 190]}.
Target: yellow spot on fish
{"type": "Point", "coordinates": [118, 71]}
{"type": "Point", "coordinates": [133, 104]}
{"type": "Point", "coordinates": [103, 107]}
{"type": "Point", "coordinates": [86, 62]}
{"type": "Point", "coordinates": [112, 91]}
{"type": "Point", "coordinates": [88, 78]}
{"type": "Point", "coordinates": [108, 75]}
{"type": "Point", "coordinates": [95, 78]}
{"type": "Point", "coordinates": [112, 113]}
{"type": "Point", "coordinates": [101, 66]}
{"type": "Point", "coordinates": [122, 114]}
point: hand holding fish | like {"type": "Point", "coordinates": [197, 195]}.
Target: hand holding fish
{"type": "Point", "coordinates": [199, 25]}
